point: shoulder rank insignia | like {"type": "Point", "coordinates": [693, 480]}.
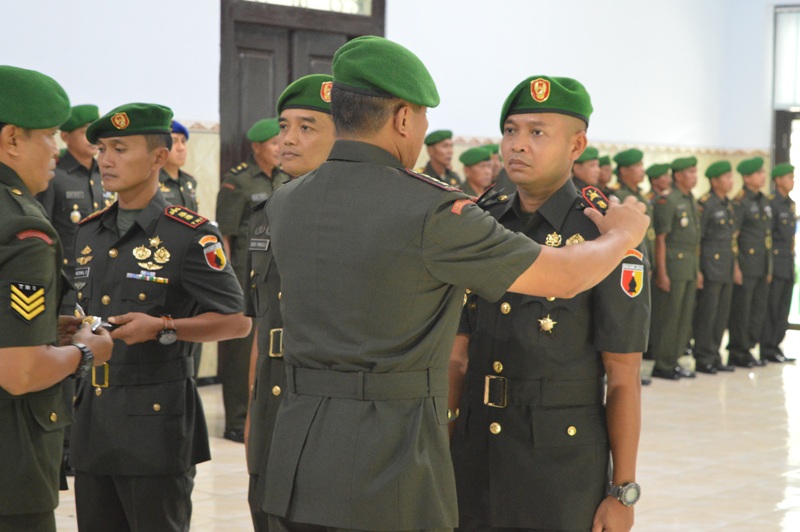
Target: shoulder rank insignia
{"type": "Point", "coordinates": [595, 198]}
{"type": "Point", "coordinates": [431, 180]}
{"type": "Point", "coordinates": [33, 233]}
{"type": "Point", "coordinates": [184, 216]}
{"type": "Point", "coordinates": [739, 196]}
{"type": "Point", "coordinates": [705, 198]}
{"type": "Point", "coordinates": [238, 168]}
{"type": "Point", "coordinates": [632, 275]}
{"type": "Point", "coordinates": [94, 215]}
{"type": "Point", "coordinates": [26, 300]}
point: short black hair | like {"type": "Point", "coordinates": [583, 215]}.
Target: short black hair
{"type": "Point", "coordinates": [158, 140]}
{"type": "Point", "coordinates": [361, 114]}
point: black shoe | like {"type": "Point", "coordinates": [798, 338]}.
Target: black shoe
{"type": "Point", "coordinates": [742, 363]}
{"type": "Point", "coordinates": [671, 375]}
{"type": "Point", "coordinates": [774, 357]}
{"type": "Point", "coordinates": [646, 381]}
{"type": "Point", "coordinates": [685, 373]}
{"type": "Point", "coordinates": [760, 362]}
{"type": "Point", "coordinates": [725, 367]}
{"type": "Point", "coordinates": [234, 435]}
{"type": "Point", "coordinates": [711, 369]}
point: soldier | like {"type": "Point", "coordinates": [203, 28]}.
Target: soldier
{"type": "Point", "coordinates": [586, 169]}
{"type": "Point", "coordinates": [33, 412]}
{"type": "Point", "coordinates": [360, 439]}
{"type": "Point", "coordinates": [178, 187]}
{"type": "Point", "coordinates": [497, 162]}
{"type": "Point", "coordinates": [244, 187]}
{"type": "Point", "coordinates": [784, 225]}
{"type": "Point", "coordinates": [630, 174]}
{"type": "Point", "coordinates": [477, 171]}
{"type": "Point", "coordinates": [660, 181]}
{"type": "Point", "coordinates": [676, 273]}
{"type": "Point", "coordinates": [717, 259]}
{"type": "Point", "coordinates": [604, 177]}
{"type": "Point", "coordinates": [499, 175]}
{"type": "Point", "coordinates": [307, 134]}
{"type": "Point", "coordinates": [159, 274]}
{"type": "Point", "coordinates": [754, 265]}
{"type": "Point", "coordinates": [440, 154]}
{"type": "Point", "coordinates": [531, 448]}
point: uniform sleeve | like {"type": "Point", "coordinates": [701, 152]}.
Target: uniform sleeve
{"type": "Point", "coordinates": [207, 275]}
{"type": "Point", "coordinates": [231, 203]}
{"type": "Point", "coordinates": [663, 211]}
{"type": "Point", "coordinates": [464, 246]}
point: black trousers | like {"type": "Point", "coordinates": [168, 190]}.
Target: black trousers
{"type": "Point", "coordinates": [281, 524]}
{"type": "Point", "coordinates": [259, 516]}
{"type": "Point", "coordinates": [710, 320]}
{"type": "Point", "coordinates": [471, 524]}
{"type": "Point", "coordinates": [776, 323]}
{"type": "Point", "coordinates": [134, 504]}
{"type": "Point", "coordinates": [43, 522]}
{"type": "Point", "coordinates": [748, 308]}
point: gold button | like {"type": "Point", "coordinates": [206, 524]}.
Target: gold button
{"type": "Point", "coordinates": [722, 222]}
{"type": "Point", "coordinates": [469, 291]}
{"type": "Point", "coordinates": [142, 296]}
{"type": "Point", "coordinates": [505, 308]}
{"type": "Point", "coordinates": [98, 391]}
{"type": "Point", "coordinates": [473, 306]}
{"type": "Point", "coordinates": [53, 417]}
{"type": "Point", "coordinates": [572, 431]}
{"type": "Point", "coordinates": [95, 204]}
{"type": "Point", "coordinates": [784, 221]}
{"type": "Point", "coordinates": [551, 299]}
{"type": "Point", "coordinates": [157, 407]}
{"type": "Point", "coordinates": [497, 366]}
{"type": "Point", "coordinates": [276, 390]}
{"type": "Point", "coordinates": [80, 295]}
{"type": "Point", "coordinates": [776, 251]}
{"type": "Point", "coordinates": [252, 273]}
{"type": "Point", "coordinates": [752, 251]}
{"type": "Point", "coordinates": [16, 192]}
{"type": "Point", "coordinates": [113, 253]}
{"type": "Point", "coordinates": [502, 197]}
{"type": "Point", "coordinates": [105, 300]}
{"type": "Point", "coordinates": [91, 181]}
{"type": "Point", "coordinates": [66, 261]}
{"type": "Point", "coordinates": [495, 428]}
{"type": "Point", "coordinates": [280, 295]}
{"type": "Point", "coordinates": [716, 256]}
{"type": "Point", "coordinates": [680, 255]}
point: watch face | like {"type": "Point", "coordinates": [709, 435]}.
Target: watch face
{"type": "Point", "coordinates": [167, 336]}
{"type": "Point", "coordinates": [630, 494]}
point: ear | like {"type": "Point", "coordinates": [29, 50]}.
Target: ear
{"type": "Point", "coordinates": [161, 156]}
{"type": "Point", "coordinates": [579, 143]}
{"type": "Point", "coordinates": [9, 139]}
{"type": "Point", "coordinates": [64, 135]}
{"type": "Point", "coordinates": [402, 120]}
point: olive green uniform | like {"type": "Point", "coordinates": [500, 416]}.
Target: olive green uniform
{"type": "Point", "coordinates": [675, 215]}
{"type": "Point", "coordinates": [360, 440]}
{"type": "Point", "coordinates": [449, 177]}
{"type": "Point", "coordinates": [622, 192]}
{"type": "Point", "coordinates": [32, 424]}
{"type": "Point", "coordinates": [749, 302]}
{"type": "Point", "coordinates": [467, 189]}
{"type": "Point", "coordinates": [784, 223]}
{"type": "Point", "coordinates": [181, 191]}
{"type": "Point", "coordinates": [503, 183]}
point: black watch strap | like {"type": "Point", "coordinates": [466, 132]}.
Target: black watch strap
{"type": "Point", "coordinates": [87, 360]}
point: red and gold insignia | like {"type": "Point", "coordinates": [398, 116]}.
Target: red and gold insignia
{"type": "Point", "coordinates": [185, 216]}
{"type": "Point", "coordinates": [459, 205]}
{"type": "Point", "coordinates": [208, 239]}
{"type": "Point", "coordinates": [595, 198]}
{"type": "Point", "coordinates": [325, 91]}
{"type": "Point", "coordinates": [26, 300]}
{"type": "Point", "coordinates": [215, 255]}
{"type": "Point", "coordinates": [540, 90]}
{"type": "Point", "coordinates": [632, 277]}
{"type": "Point", "coordinates": [120, 121]}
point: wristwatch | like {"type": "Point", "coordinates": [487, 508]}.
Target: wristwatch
{"type": "Point", "coordinates": [168, 335]}
{"type": "Point", "coordinates": [86, 363]}
{"type": "Point", "coordinates": [627, 493]}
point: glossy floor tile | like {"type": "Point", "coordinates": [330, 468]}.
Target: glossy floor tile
{"type": "Point", "coordinates": [717, 452]}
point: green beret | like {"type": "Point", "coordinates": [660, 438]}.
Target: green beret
{"type": "Point", "coordinates": [438, 136]}
{"type": "Point", "coordinates": [682, 163]}
{"type": "Point", "coordinates": [718, 168]}
{"type": "Point", "coordinates": [31, 100]}
{"type": "Point", "coordinates": [131, 119]}
{"type": "Point", "coordinates": [80, 116]}
{"type": "Point", "coordinates": [589, 154]}
{"type": "Point", "coordinates": [782, 169]}
{"type": "Point", "coordinates": [629, 157]}
{"type": "Point", "coordinates": [657, 170]}
{"type": "Point", "coordinates": [475, 156]}
{"type": "Point", "coordinates": [544, 94]}
{"type": "Point", "coordinates": [379, 67]}
{"type": "Point", "coordinates": [605, 160]}
{"type": "Point", "coordinates": [494, 148]}
{"type": "Point", "coordinates": [309, 92]}
{"type": "Point", "coordinates": [263, 130]}
{"type": "Point", "coordinates": [750, 166]}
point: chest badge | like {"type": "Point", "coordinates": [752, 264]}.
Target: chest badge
{"type": "Point", "coordinates": [160, 256]}
{"type": "Point", "coordinates": [141, 253]}
{"type": "Point", "coordinates": [575, 239]}
{"type": "Point", "coordinates": [547, 324]}
{"type": "Point", "coordinates": [75, 215]}
{"type": "Point", "coordinates": [553, 240]}
{"type": "Point", "coordinates": [86, 256]}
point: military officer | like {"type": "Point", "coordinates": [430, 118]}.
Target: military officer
{"type": "Point", "coordinates": [676, 273]}
{"type": "Point", "coordinates": [360, 439]}
{"type": "Point", "coordinates": [531, 448]}
{"type": "Point", "coordinates": [784, 225]}
{"type": "Point", "coordinates": [500, 178]}
{"type": "Point", "coordinates": [586, 168]}
{"type": "Point", "coordinates": [307, 134]}
{"type": "Point", "coordinates": [159, 275]}
{"type": "Point", "coordinates": [244, 187]}
{"type": "Point", "coordinates": [660, 180]}
{"type": "Point", "coordinates": [33, 412]}
{"type": "Point", "coordinates": [178, 187]}
{"type": "Point", "coordinates": [440, 153]}
{"type": "Point", "coordinates": [477, 171]}
{"type": "Point", "coordinates": [754, 265]}
{"type": "Point", "coordinates": [497, 162]}
{"type": "Point", "coordinates": [630, 174]}
{"type": "Point", "coordinates": [604, 177]}
{"type": "Point", "coordinates": [717, 259]}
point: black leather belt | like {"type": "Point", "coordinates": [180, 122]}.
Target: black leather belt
{"type": "Point", "coordinates": [366, 386]}
{"type": "Point", "coordinates": [499, 392]}
{"type": "Point", "coordinates": [132, 374]}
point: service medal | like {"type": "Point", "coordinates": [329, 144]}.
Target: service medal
{"type": "Point", "coordinates": [161, 256]}
{"type": "Point", "coordinates": [547, 324]}
{"type": "Point", "coordinates": [75, 215]}
{"type": "Point", "coordinates": [141, 253]}
{"type": "Point", "coordinates": [553, 240]}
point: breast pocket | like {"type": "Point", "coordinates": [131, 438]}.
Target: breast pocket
{"type": "Point", "coordinates": [167, 399]}
{"type": "Point", "coordinates": [569, 426]}
{"type": "Point", "coordinates": [144, 296]}
{"type": "Point", "coordinates": [544, 320]}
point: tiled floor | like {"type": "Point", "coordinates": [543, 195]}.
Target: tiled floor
{"type": "Point", "coordinates": [717, 453]}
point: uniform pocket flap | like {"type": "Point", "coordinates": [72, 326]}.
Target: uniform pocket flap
{"type": "Point", "coordinates": [50, 411]}
{"type": "Point", "coordinates": [569, 426]}
{"type": "Point", "coordinates": [157, 399]}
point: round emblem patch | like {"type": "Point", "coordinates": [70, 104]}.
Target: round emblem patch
{"type": "Point", "coordinates": [120, 121]}
{"type": "Point", "coordinates": [540, 90]}
{"type": "Point", "coordinates": [325, 91]}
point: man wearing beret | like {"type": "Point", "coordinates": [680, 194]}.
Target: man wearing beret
{"type": "Point", "coordinates": [784, 225]}
{"type": "Point", "coordinates": [660, 181]}
{"type": "Point", "coordinates": [586, 169]}
{"type": "Point", "coordinates": [751, 282]}
{"type": "Point", "coordinates": [440, 153]}
{"type": "Point", "coordinates": [717, 260]}
{"type": "Point", "coordinates": [605, 176]}
{"type": "Point", "coordinates": [157, 273]}
{"type": "Point", "coordinates": [244, 187]}
{"type": "Point", "coordinates": [306, 137]}
{"type": "Point", "coordinates": [178, 187]}
{"type": "Point", "coordinates": [630, 174]}
{"type": "Point", "coordinates": [676, 274]}
{"type": "Point", "coordinates": [531, 447]}
{"type": "Point", "coordinates": [33, 412]}
{"type": "Point", "coordinates": [379, 257]}
{"type": "Point", "coordinates": [477, 171]}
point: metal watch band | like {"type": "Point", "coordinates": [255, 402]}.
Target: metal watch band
{"type": "Point", "coordinates": [87, 360]}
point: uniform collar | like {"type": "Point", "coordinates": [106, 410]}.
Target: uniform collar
{"type": "Point", "coordinates": [69, 163]}
{"type": "Point", "coordinates": [749, 193]}
{"type": "Point", "coordinates": [556, 209]}
{"type": "Point", "coordinates": [11, 179]}
{"type": "Point", "coordinates": [147, 219]}
{"type": "Point", "coordinates": [362, 152]}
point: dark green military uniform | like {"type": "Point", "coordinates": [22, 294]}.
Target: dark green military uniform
{"type": "Point", "coordinates": [449, 177]}
{"type": "Point", "coordinates": [467, 189]}
{"type": "Point", "coordinates": [148, 423]}
{"type": "Point", "coordinates": [622, 192]}
{"type": "Point", "coordinates": [31, 425]}
{"type": "Point", "coordinates": [181, 191]}
{"type": "Point", "coordinates": [503, 182]}
{"type": "Point", "coordinates": [784, 224]}
{"type": "Point", "coordinates": [536, 456]}
{"type": "Point", "coordinates": [360, 440]}
{"type": "Point", "coordinates": [749, 302]}
{"type": "Point", "coordinates": [675, 215]}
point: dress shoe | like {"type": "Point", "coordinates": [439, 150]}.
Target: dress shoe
{"type": "Point", "coordinates": [685, 373]}
{"type": "Point", "coordinates": [711, 369]}
{"type": "Point", "coordinates": [743, 363]}
{"type": "Point", "coordinates": [725, 367]}
{"type": "Point", "coordinates": [775, 357]}
{"type": "Point", "coordinates": [671, 374]}
{"type": "Point", "coordinates": [761, 362]}
{"type": "Point", "coordinates": [646, 381]}
{"type": "Point", "coordinates": [234, 435]}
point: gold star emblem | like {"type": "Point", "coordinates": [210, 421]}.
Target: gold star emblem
{"type": "Point", "coordinates": [155, 242]}
{"type": "Point", "coordinates": [546, 324]}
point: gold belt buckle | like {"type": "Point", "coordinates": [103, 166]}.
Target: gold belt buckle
{"type": "Point", "coordinates": [276, 340]}
{"type": "Point", "coordinates": [105, 377]}
{"type": "Point", "coordinates": [503, 383]}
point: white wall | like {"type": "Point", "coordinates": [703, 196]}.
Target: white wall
{"type": "Point", "coordinates": [693, 73]}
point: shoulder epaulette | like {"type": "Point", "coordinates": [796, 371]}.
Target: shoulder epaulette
{"type": "Point", "coordinates": [613, 187]}
{"type": "Point", "coordinates": [492, 197]}
{"type": "Point", "coordinates": [595, 198]}
{"type": "Point", "coordinates": [94, 215]}
{"type": "Point", "coordinates": [705, 198]}
{"type": "Point", "coordinates": [650, 196]}
{"type": "Point", "coordinates": [432, 181]}
{"type": "Point", "coordinates": [184, 216]}
{"type": "Point", "coordinates": [238, 168]}
{"type": "Point", "coordinates": [739, 196]}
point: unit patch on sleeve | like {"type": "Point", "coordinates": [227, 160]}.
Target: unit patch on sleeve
{"type": "Point", "coordinates": [214, 252]}
{"type": "Point", "coordinates": [26, 300]}
{"type": "Point", "coordinates": [632, 277]}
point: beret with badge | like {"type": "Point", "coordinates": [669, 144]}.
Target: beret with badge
{"type": "Point", "coordinates": [545, 94]}
{"type": "Point", "coordinates": [434, 137]}
{"type": "Point", "coordinates": [782, 169]}
{"type": "Point", "coordinates": [31, 100]}
{"type": "Point", "coordinates": [309, 92]}
{"type": "Point", "coordinates": [131, 119]}
{"type": "Point", "coordinates": [682, 163]}
{"type": "Point", "coordinates": [657, 170]}
{"type": "Point", "coordinates": [475, 155]}
{"type": "Point", "coordinates": [717, 169]}
{"type": "Point", "coordinates": [589, 154]}
{"type": "Point", "coordinates": [263, 130]}
{"type": "Point", "coordinates": [80, 115]}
